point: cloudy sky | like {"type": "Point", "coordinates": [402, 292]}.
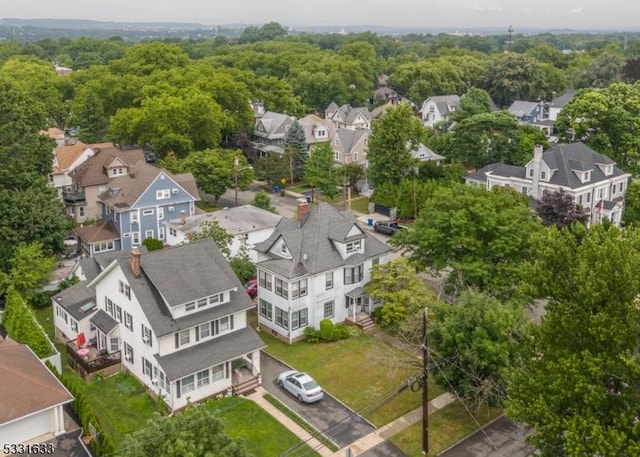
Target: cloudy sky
{"type": "Point", "coordinates": [457, 14]}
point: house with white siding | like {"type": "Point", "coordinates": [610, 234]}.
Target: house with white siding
{"type": "Point", "coordinates": [316, 268]}
{"type": "Point", "coordinates": [174, 318]}
{"type": "Point", "coordinates": [592, 179]}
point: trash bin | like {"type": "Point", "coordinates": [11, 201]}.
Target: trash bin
{"type": "Point", "coordinates": [308, 198]}
{"type": "Point", "coordinates": [370, 222]}
{"type": "Point", "coordinates": [276, 189]}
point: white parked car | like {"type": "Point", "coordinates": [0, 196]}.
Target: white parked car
{"type": "Point", "coordinates": [300, 385]}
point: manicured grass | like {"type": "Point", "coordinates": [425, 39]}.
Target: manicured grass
{"type": "Point", "coordinates": [302, 423]}
{"type": "Point", "coordinates": [360, 371]}
{"type": "Point", "coordinates": [121, 404]}
{"type": "Point", "coordinates": [206, 206]}
{"type": "Point", "coordinates": [446, 427]}
{"type": "Point", "coordinates": [300, 188]}
{"type": "Point", "coordinates": [263, 434]}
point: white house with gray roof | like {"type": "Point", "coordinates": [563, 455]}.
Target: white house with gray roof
{"type": "Point", "coordinates": [248, 224]}
{"type": "Point", "coordinates": [315, 268]}
{"type": "Point", "coordinates": [592, 179]}
{"type": "Point", "coordinates": [270, 131]}
{"type": "Point", "coordinates": [348, 117]}
{"type": "Point", "coordinates": [438, 109]}
{"type": "Point", "coordinates": [177, 316]}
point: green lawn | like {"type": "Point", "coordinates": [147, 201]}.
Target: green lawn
{"type": "Point", "coordinates": [360, 205]}
{"type": "Point", "coordinates": [446, 427]}
{"type": "Point", "coordinates": [263, 434]}
{"type": "Point", "coordinates": [121, 404]}
{"type": "Point", "coordinates": [299, 188]}
{"type": "Point", "coordinates": [360, 371]}
{"type": "Point", "coordinates": [206, 206]}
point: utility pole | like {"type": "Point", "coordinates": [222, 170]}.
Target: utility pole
{"type": "Point", "coordinates": [236, 162]}
{"type": "Point", "coordinates": [425, 386]}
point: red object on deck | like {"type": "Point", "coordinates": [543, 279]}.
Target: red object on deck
{"type": "Point", "coordinates": [80, 340]}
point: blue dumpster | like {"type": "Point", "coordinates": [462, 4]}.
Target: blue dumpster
{"type": "Point", "coordinates": [370, 222]}
{"type": "Point", "coordinates": [276, 189]}
{"type": "Point", "coordinates": [308, 198]}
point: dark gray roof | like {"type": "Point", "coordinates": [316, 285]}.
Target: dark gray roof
{"type": "Point", "coordinates": [104, 322]}
{"type": "Point", "coordinates": [311, 245]}
{"type": "Point", "coordinates": [152, 303]}
{"type": "Point", "coordinates": [521, 108]}
{"type": "Point", "coordinates": [93, 266]}
{"type": "Point", "coordinates": [74, 298]}
{"type": "Point", "coordinates": [185, 273]}
{"type": "Point", "coordinates": [213, 352]}
{"type": "Point", "coordinates": [563, 158]}
{"type": "Point", "coordinates": [445, 102]}
{"type": "Point", "coordinates": [349, 137]}
{"type": "Point", "coordinates": [565, 98]}
{"type": "Point", "coordinates": [498, 169]}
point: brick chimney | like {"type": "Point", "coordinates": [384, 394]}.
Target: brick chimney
{"type": "Point", "coordinates": [135, 262]}
{"type": "Point", "coordinates": [303, 209]}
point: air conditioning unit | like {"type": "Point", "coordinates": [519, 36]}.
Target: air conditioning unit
{"type": "Point", "coordinates": [174, 191]}
{"type": "Point", "coordinates": [171, 209]}
{"type": "Point", "coordinates": [154, 381]}
{"type": "Point", "coordinates": [145, 339]}
{"type": "Point", "coordinates": [129, 357]}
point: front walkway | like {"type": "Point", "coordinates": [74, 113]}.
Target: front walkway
{"type": "Point", "coordinates": [359, 446]}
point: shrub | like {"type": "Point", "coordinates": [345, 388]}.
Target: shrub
{"type": "Point", "coordinates": [313, 335]}
{"type": "Point", "coordinates": [153, 244]}
{"type": "Point", "coordinates": [341, 332]}
{"type": "Point", "coordinates": [21, 325]}
{"type": "Point", "coordinates": [327, 330]}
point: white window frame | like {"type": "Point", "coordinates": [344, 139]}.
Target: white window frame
{"type": "Point", "coordinates": [184, 337]}
{"type": "Point", "coordinates": [161, 233]}
{"type": "Point", "coordinates": [148, 233]}
{"type": "Point", "coordinates": [328, 280]}
{"type": "Point", "coordinates": [134, 216]}
{"type": "Point", "coordinates": [135, 238]}
{"type": "Point", "coordinates": [331, 305]}
{"type": "Point", "coordinates": [163, 194]}
{"type": "Point", "coordinates": [160, 212]}
{"type": "Point", "coordinates": [354, 246]}
{"type": "Point", "coordinates": [218, 372]}
{"type": "Point", "coordinates": [203, 378]}
{"type": "Point", "coordinates": [147, 212]}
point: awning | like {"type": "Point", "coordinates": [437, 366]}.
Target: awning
{"type": "Point", "coordinates": [357, 292]}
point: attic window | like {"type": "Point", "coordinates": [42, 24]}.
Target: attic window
{"type": "Point", "coordinates": [354, 246]}
{"type": "Point", "coordinates": [284, 248]}
{"type": "Point", "coordinates": [586, 176]}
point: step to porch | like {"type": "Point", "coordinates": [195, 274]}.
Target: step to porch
{"type": "Point", "coordinates": [246, 386]}
{"type": "Point", "coordinates": [366, 323]}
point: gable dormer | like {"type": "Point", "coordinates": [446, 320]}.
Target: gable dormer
{"type": "Point", "coordinates": [116, 168]}
{"type": "Point", "coordinates": [280, 249]}
{"type": "Point", "coordinates": [352, 243]}
{"type": "Point", "coordinates": [581, 170]}
{"type": "Point", "coordinates": [606, 168]}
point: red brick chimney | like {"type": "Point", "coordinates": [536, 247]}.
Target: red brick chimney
{"type": "Point", "coordinates": [135, 262]}
{"type": "Point", "coordinates": [303, 209]}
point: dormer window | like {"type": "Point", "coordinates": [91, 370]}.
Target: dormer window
{"type": "Point", "coordinates": [531, 172]}
{"type": "Point", "coordinates": [543, 175]}
{"type": "Point", "coordinates": [354, 246]}
{"type": "Point", "coordinates": [586, 176]}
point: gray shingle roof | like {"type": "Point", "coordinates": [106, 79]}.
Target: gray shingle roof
{"type": "Point", "coordinates": [240, 219]}
{"type": "Point", "coordinates": [188, 272]}
{"type": "Point", "coordinates": [444, 103]}
{"type": "Point", "coordinates": [126, 190]}
{"type": "Point", "coordinates": [497, 169]}
{"type": "Point", "coordinates": [563, 158]}
{"type": "Point", "coordinates": [217, 350]}
{"type": "Point", "coordinates": [311, 245]}
{"type": "Point", "coordinates": [74, 298]}
{"type": "Point", "coordinates": [565, 98]}
{"type": "Point", "coordinates": [426, 154]}
{"type": "Point", "coordinates": [272, 125]}
{"type": "Point", "coordinates": [104, 322]}
{"type": "Point", "coordinates": [350, 114]}
{"type": "Point", "coordinates": [349, 138]}
{"type": "Point", "coordinates": [521, 108]}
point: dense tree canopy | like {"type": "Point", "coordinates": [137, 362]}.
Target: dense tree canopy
{"type": "Point", "coordinates": [480, 237]}
{"type": "Point", "coordinates": [512, 77]}
{"type": "Point", "coordinates": [578, 385]}
{"type": "Point", "coordinates": [560, 210]}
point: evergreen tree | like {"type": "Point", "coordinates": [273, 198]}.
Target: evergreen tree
{"type": "Point", "coordinates": [297, 150]}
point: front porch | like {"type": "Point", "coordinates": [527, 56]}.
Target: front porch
{"type": "Point", "coordinates": [362, 320]}
{"type": "Point", "coordinates": [359, 309]}
{"type": "Point", "coordinates": [245, 378]}
{"type": "Point", "coordinates": [88, 361]}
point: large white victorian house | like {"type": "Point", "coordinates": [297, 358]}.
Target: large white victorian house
{"type": "Point", "coordinates": [175, 318]}
{"type": "Point", "coordinates": [315, 268]}
{"type": "Point", "coordinates": [592, 179]}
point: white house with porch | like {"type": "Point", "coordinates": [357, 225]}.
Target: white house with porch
{"type": "Point", "coordinates": [316, 268]}
{"type": "Point", "coordinates": [592, 179]}
{"type": "Point", "coordinates": [175, 318]}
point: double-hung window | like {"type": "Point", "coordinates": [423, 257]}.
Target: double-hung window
{"type": "Point", "coordinates": [329, 309]}
{"type": "Point", "coordinates": [353, 274]}
{"type": "Point", "coordinates": [266, 309]}
{"type": "Point", "coordinates": [328, 280]}
{"type": "Point", "coordinates": [282, 288]}
{"type": "Point", "coordinates": [264, 280]}
{"type": "Point", "coordinates": [299, 288]}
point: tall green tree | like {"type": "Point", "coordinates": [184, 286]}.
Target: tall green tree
{"type": "Point", "coordinates": [480, 237]}
{"type": "Point", "coordinates": [213, 230]}
{"type": "Point", "coordinates": [296, 150]}
{"type": "Point", "coordinates": [263, 201]}
{"type": "Point", "coordinates": [473, 342]}
{"type": "Point", "coordinates": [393, 137]}
{"type": "Point", "coordinates": [195, 432]}
{"type": "Point", "coordinates": [578, 385]}
{"type": "Point", "coordinates": [401, 291]}
{"type": "Point", "coordinates": [29, 269]}
{"type": "Point", "coordinates": [476, 101]}
{"type": "Point", "coordinates": [511, 77]}
{"type": "Point", "coordinates": [631, 214]}
{"type": "Point", "coordinates": [89, 114]}
{"type": "Point", "coordinates": [272, 168]}
{"type": "Point", "coordinates": [216, 170]}
{"type": "Point", "coordinates": [321, 171]}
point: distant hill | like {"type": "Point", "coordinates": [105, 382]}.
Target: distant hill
{"type": "Point", "coordinates": [85, 24]}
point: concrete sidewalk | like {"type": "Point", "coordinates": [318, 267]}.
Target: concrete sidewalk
{"type": "Point", "coordinates": [359, 446]}
{"type": "Point", "coordinates": [387, 431]}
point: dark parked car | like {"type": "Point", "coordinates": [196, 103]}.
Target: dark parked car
{"type": "Point", "coordinates": [252, 287]}
{"type": "Point", "coordinates": [149, 157]}
{"type": "Point", "coordinates": [387, 227]}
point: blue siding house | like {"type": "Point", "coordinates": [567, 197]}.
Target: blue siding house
{"type": "Point", "coordinates": [136, 205]}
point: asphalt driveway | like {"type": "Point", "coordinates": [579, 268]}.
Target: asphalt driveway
{"type": "Point", "coordinates": [337, 422]}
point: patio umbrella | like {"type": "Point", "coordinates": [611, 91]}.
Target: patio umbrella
{"type": "Point", "coordinates": [80, 339]}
